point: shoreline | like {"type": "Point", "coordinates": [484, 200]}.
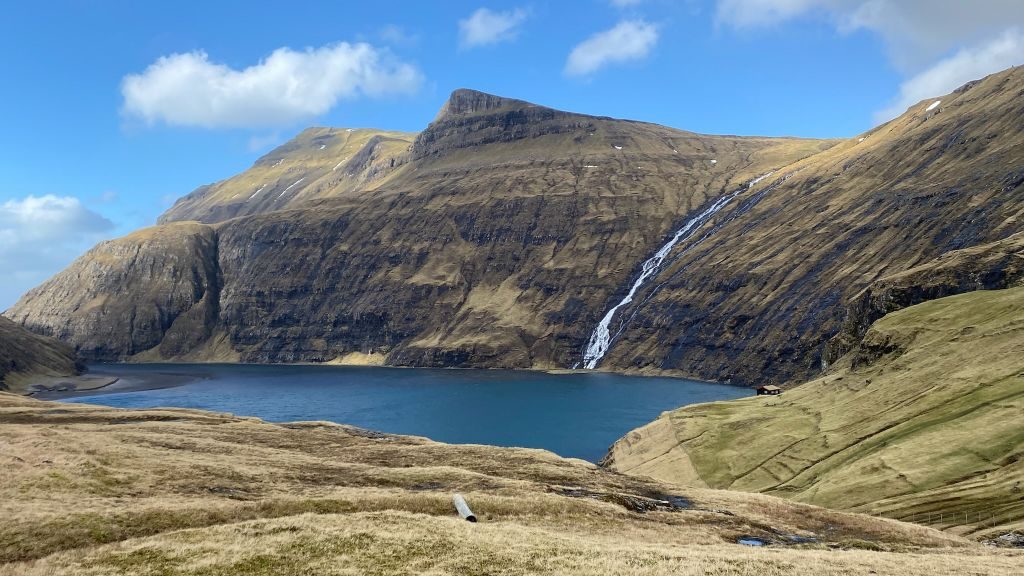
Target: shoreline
{"type": "Point", "coordinates": [62, 388]}
{"type": "Point", "coordinates": [96, 381]}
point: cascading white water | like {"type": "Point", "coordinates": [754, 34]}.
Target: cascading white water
{"type": "Point", "coordinates": [601, 339]}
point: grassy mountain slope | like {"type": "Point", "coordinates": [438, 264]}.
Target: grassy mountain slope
{"type": "Point", "coordinates": [758, 299]}
{"type": "Point", "coordinates": [922, 417]}
{"type": "Point", "coordinates": [26, 357]}
{"type": "Point", "coordinates": [318, 163]}
{"type": "Point", "coordinates": [495, 240]}
{"type": "Point", "coordinates": [93, 490]}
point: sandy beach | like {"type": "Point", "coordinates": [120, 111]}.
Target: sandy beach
{"type": "Point", "coordinates": [106, 380]}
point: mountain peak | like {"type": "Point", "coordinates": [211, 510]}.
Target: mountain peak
{"type": "Point", "coordinates": [464, 101]}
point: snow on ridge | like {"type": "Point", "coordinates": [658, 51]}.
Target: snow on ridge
{"type": "Point", "coordinates": [618, 147]}
{"type": "Point", "coordinates": [933, 106]}
{"type": "Point", "coordinates": [257, 192]}
{"type": "Point", "coordinates": [290, 187]}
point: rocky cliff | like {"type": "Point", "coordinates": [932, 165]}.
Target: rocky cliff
{"type": "Point", "coordinates": [501, 235]}
{"type": "Point", "coordinates": [495, 239]}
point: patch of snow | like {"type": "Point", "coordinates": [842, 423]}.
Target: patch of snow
{"type": "Point", "coordinates": [676, 151]}
{"type": "Point", "coordinates": [257, 192]}
{"type": "Point", "coordinates": [350, 130]}
{"type": "Point", "coordinates": [339, 164]}
{"type": "Point", "coordinates": [933, 106]}
{"type": "Point", "coordinates": [714, 161]}
{"type": "Point", "coordinates": [290, 187]}
{"type": "Point", "coordinates": [861, 140]}
{"type": "Point", "coordinates": [618, 147]}
{"type": "Point", "coordinates": [322, 146]}
{"type": "Point", "coordinates": [590, 166]}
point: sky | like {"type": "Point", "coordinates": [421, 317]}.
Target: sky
{"type": "Point", "coordinates": [112, 110]}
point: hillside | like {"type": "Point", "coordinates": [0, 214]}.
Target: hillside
{"type": "Point", "coordinates": [506, 232]}
{"type": "Point", "coordinates": [26, 357]}
{"type": "Point", "coordinates": [758, 298]}
{"type": "Point", "coordinates": [94, 490]}
{"type": "Point", "coordinates": [495, 240]}
{"type": "Point", "coordinates": [921, 418]}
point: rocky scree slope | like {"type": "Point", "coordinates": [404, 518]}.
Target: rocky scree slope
{"type": "Point", "coordinates": [496, 238]}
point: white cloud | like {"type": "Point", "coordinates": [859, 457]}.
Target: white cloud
{"type": "Point", "coordinates": [916, 32]}
{"type": "Point", "coordinates": [968, 64]}
{"type": "Point", "coordinates": [625, 3]}
{"type": "Point", "coordinates": [628, 40]}
{"type": "Point", "coordinates": [190, 90]}
{"type": "Point", "coordinates": [936, 45]}
{"type": "Point", "coordinates": [40, 235]}
{"type": "Point", "coordinates": [486, 26]}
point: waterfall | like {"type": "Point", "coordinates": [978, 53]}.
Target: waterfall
{"type": "Point", "coordinates": [601, 339]}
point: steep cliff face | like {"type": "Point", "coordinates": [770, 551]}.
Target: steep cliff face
{"type": "Point", "coordinates": [501, 234]}
{"type": "Point", "coordinates": [991, 266]}
{"type": "Point", "coordinates": [25, 356]}
{"type": "Point", "coordinates": [156, 288]}
{"type": "Point", "coordinates": [494, 240]}
{"type": "Point", "coordinates": [760, 291]}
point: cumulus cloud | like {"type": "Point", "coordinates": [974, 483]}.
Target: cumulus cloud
{"type": "Point", "coordinates": [191, 90]}
{"type": "Point", "coordinates": [967, 64]}
{"type": "Point", "coordinates": [916, 32]}
{"type": "Point", "coordinates": [628, 40]}
{"type": "Point", "coordinates": [486, 26]}
{"type": "Point", "coordinates": [40, 235]}
{"type": "Point", "coordinates": [937, 45]}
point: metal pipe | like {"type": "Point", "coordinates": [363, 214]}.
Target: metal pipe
{"type": "Point", "coordinates": [462, 508]}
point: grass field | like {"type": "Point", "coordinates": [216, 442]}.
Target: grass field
{"type": "Point", "coordinates": [922, 422]}
{"type": "Point", "coordinates": [93, 490]}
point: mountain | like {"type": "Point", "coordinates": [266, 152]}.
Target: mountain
{"type": "Point", "coordinates": [495, 238]}
{"type": "Point", "coordinates": [919, 421]}
{"type": "Point", "coordinates": [758, 298]}
{"type": "Point", "coordinates": [94, 490]}
{"type": "Point", "coordinates": [26, 357]}
{"type": "Point", "coordinates": [508, 234]}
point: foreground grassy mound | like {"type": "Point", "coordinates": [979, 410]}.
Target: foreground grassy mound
{"type": "Point", "coordinates": [922, 421]}
{"type": "Point", "coordinates": [26, 357]}
{"type": "Point", "coordinates": [91, 490]}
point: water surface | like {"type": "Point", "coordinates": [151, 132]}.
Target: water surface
{"type": "Point", "coordinates": [574, 415]}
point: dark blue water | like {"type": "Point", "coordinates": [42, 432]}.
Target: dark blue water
{"type": "Point", "coordinates": [575, 415]}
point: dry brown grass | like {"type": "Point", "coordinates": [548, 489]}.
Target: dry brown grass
{"type": "Point", "coordinates": [94, 490]}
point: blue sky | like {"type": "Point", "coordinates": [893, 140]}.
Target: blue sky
{"type": "Point", "coordinates": [114, 109]}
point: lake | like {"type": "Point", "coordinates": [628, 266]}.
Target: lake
{"type": "Point", "coordinates": [574, 415]}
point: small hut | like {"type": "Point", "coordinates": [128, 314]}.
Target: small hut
{"type": "Point", "coordinates": [768, 390]}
